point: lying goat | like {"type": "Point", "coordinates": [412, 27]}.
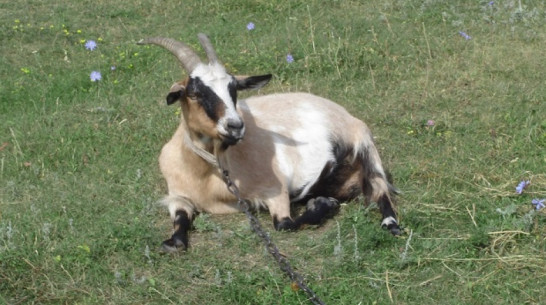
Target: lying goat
{"type": "Point", "coordinates": [278, 148]}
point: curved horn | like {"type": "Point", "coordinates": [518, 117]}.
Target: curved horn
{"type": "Point", "coordinates": [209, 50]}
{"type": "Point", "coordinates": [185, 54]}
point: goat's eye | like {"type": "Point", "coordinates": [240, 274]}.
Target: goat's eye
{"type": "Point", "coordinates": [193, 95]}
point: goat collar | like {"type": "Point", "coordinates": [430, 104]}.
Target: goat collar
{"type": "Point", "coordinates": [205, 155]}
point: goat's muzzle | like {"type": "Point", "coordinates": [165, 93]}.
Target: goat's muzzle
{"type": "Point", "coordinates": [235, 131]}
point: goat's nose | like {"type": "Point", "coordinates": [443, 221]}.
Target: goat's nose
{"type": "Point", "coordinates": [235, 125]}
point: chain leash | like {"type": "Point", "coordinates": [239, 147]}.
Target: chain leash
{"type": "Point", "coordinates": [284, 264]}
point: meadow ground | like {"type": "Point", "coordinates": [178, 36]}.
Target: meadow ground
{"type": "Point", "coordinates": [453, 90]}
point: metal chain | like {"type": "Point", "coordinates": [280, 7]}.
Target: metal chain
{"type": "Point", "coordinates": [284, 264]}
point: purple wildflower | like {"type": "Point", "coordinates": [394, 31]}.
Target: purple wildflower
{"type": "Point", "coordinates": [539, 203]}
{"type": "Point", "coordinates": [91, 45]}
{"type": "Point", "coordinates": [465, 35]}
{"type": "Point", "coordinates": [431, 123]}
{"type": "Point", "coordinates": [250, 26]}
{"type": "Point", "coordinates": [95, 76]}
{"type": "Point", "coordinates": [523, 184]}
{"type": "Point", "coordinates": [112, 68]}
{"type": "Point", "coordinates": [289, 58]}
{"type": "Point", "coordinates": [491, 2]}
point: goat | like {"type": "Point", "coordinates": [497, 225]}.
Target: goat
{"type": "Point", "coordinates": [279, 149]}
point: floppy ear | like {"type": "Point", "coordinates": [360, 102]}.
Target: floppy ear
{"type": "Point", "coordinates": [252, 82]}
{"type": "Point", "coordinates": [176, 92]}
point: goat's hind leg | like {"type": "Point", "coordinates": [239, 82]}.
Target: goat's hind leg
{"type": "Point", "coordinates": [377, 189]}
{"type": "Point", "coordinates": [318, 210]}
{"type": "Point", "coordinates": [389, 216]}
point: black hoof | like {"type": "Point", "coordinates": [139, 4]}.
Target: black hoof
{"type": "Point", "coordinates": [322, 203]}
{"type": "Point", "coordinates": [323, 208]}
{"type": "Point", "coordinates": [395, 230]}
{"type": "Point", "coordinates": [390, 224]}
{"type": "Point", "coordinates": [172, 245]}
{"type": "Point", "coordinates": [286, 224]}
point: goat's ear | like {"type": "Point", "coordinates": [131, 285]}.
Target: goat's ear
{"type": "Point", "coordinates": [252, 82]}
{"type": "Point", "coordinates": [176, 93]}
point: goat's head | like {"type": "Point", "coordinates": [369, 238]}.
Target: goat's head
{"type": "Point", "coordinates": [209, 94]}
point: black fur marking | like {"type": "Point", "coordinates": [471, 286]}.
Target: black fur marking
{"type": "Point", "coordinates": [210, 101]}
{"type": "Point", "coordinates": [334, 175]}
{"type": "Point", "coordinates": [179, 239]}
{"type": "Point", "coordinates": [232, 89]}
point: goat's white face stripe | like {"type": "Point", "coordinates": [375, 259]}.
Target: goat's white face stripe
{"type": "Point", "coordinates": [218, 80]}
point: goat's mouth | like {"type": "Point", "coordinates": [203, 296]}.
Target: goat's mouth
{"type": "Point", "coordinates": [232, 132]}
{"type": "Point", "coordinates": [228, 140]}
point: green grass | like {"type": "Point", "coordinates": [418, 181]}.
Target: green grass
{"type": "Point", "coordinates": [79, 180]}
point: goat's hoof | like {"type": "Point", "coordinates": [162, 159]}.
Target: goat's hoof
{"type": "Point", "coordinates": [322, 202]}
{"type": "Point", "coordinates": [395, 230]}
{"type": "Point", "coordinates": [173, 245]}
{"type": "Point", "coordinates": [285, 224]}
{"type": "Point", "coordinates": [391, 224]}
{"type": "Point", "coordinates": [330, 202]}
{"type": "Point", "coordinates": [328, 207]}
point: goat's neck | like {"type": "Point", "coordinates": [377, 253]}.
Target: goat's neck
{"type": "Point", "coordinates": [202, 141]}
{"type": "Point", "coordinates": [201, 146]}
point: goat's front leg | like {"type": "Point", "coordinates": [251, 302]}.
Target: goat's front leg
{"type": "Point", "coordinates": [279, 208]}
{"type": "Point", "coordinates": [180, 209]}
{"type": "Point", "coordinates": [318, 210]}
{"type": "Point", "coordinates": [179, 240]}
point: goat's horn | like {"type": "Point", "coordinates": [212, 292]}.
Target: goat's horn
{"type": "Point", "coordinates": [185, 54]}
{"type": "Point", "coordinates": [209, 50]}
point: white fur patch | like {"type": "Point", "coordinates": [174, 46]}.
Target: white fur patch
{"type": "Point", "coordinates": [305, 150]}
{"type": "Point", "coordinates": [388, 221]}
{"type": "Point", "coordinates": [176, 203]}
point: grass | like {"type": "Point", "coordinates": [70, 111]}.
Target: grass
{"type": "Point", "coordinates": [79, 180]}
